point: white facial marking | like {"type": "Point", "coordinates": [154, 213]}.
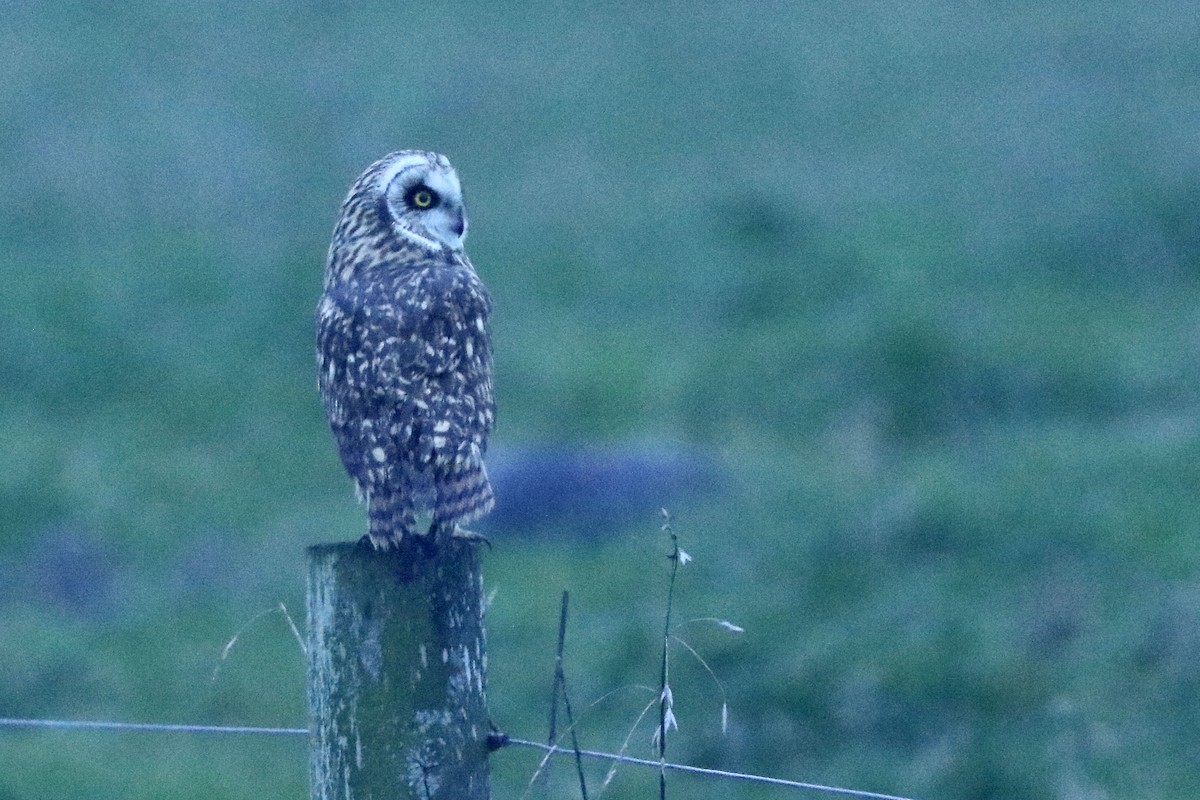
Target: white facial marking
{"type": "Point", "coordinates": [435, 227]}
{"type": "Point", "coordinates": [400, 165]}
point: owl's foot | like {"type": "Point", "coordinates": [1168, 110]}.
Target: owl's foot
{"type": "Point", "coordinates": [442, 532]}
{"type": "Point", "coordinates": [378, 542]}
{"type": "Point", "coordinates": [413, 545]}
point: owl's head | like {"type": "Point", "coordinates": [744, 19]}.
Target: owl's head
{"type": "Point", "coordinates": [421, 197]}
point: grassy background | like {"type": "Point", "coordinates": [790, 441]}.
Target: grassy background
{"type": "Point", "coordinates": [921, 276]}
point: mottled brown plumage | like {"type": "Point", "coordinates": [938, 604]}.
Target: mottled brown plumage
{"type": "Point", "coordinates": [404, 352]}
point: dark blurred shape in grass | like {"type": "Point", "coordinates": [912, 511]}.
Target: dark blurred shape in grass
{"type": "Point", "coordinates": [594, 492]}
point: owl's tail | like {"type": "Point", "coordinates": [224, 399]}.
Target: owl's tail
{"type": "Point", "coordinates": [463, 494]}
{"type": "Point", "coordinates": [391, 519]}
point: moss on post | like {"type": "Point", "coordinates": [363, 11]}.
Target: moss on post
{"type": "Point", "coordinates": [397, 673]}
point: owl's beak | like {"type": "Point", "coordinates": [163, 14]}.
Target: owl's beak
{"type": "Point", "coordinates": [459, 223]}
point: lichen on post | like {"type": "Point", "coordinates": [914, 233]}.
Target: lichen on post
{"type": "Point", "coordinates": [397, 663]}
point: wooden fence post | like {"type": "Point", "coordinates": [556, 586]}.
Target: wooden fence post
{"type": "Point", "coordinates": [397, 664]}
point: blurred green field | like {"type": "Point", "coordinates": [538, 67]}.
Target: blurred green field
{"type": "Point", "coordinates": [922, 277]}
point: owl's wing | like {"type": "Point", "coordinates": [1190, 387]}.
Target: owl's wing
{"type": "Point", "coordinates": [408, 377]}
{"type": "Point", "coordinates": [443, 349]}
{"type": "Point", "coordinates": [343, 377]}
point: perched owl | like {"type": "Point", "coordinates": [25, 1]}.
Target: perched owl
{"type": "Point", "coordinates": [404, 352]}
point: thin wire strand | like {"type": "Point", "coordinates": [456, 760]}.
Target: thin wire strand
{"type": "Point", "coordinates": [144, 726]}
{"type": "Point", "coordinates": [69, 724]}
{"type": "Point", "coordinates": [715, 773]}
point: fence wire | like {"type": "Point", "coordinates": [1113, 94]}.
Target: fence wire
{"type": "Point", "coordinates": [6, 722]}
{"type": "Point", "coordinates": [159, 727]}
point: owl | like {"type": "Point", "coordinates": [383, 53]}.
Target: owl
{"type": "Point", "coordinates": [404, 352]}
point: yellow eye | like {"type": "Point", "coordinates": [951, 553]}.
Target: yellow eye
{"type": "Point", "coordinates": [421, 197]}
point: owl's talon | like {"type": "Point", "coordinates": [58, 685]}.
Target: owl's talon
{"type": "Point", "coordinates": [380, 543]}
{"type": "Point", "coordinates": [470, 536]}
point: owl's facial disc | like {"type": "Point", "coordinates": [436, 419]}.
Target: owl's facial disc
{"type": "Point", "coordinates": [424, 201]}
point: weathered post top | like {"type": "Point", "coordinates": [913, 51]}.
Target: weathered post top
{"type": "Point", "coordinates": [397, 665]}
